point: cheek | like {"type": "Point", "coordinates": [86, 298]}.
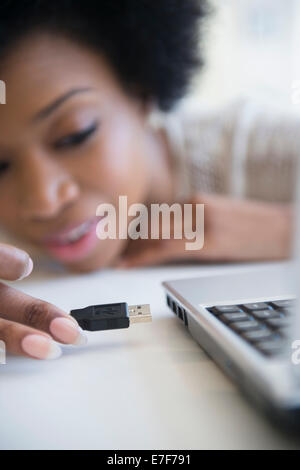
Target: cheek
{"type": "Point", "coordinates": [9, 204]}
{"type": "Point", "coordinates": [115, 165]}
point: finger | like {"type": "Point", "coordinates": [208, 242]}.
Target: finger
{"type": "Point", "coordinates": [25, 341]}
{"type": "Point", "coordinates": [15, 264]}
{"type": "Point", "coordinates": [18, 307]}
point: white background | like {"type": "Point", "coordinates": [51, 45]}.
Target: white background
{"type": "Point", "coordinates": [252, 49]}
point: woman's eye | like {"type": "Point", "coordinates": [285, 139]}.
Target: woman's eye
{"type": "Point", "coordinates": [77, 138]}
{"type": "Point", "coordinates": [4, 166]}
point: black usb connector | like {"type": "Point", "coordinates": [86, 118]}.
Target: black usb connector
{"type": "Point", "coordinates": [111, 316]}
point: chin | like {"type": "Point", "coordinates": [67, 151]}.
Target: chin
{"type": "Point", "coordinates": [104, 256]}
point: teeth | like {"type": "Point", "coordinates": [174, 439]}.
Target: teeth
{"type": "Point", "coordinates": [76, 233]}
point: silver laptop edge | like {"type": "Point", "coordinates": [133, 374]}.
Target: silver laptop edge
{"type": "Point", "coordinates": [269, 381]}
{"type": "Point", "coordinates": [273, 382]}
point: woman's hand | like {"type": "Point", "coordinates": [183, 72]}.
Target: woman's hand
{"type": "Point", "coordinates": [28, 326]}
{"type": "Point", "coordinates": [235, 230]}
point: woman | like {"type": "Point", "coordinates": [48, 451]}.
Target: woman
{"type": "Point", "coordinates": [82, 80]}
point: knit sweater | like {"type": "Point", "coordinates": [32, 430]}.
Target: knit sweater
{"type": "Point", "coordinates": [243, 150]}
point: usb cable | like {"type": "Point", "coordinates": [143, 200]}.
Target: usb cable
{"type": "Point", "coordinates": [111, 316]}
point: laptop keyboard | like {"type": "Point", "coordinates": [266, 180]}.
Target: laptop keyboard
{"type": "Point", "coordinates": [262, 324]}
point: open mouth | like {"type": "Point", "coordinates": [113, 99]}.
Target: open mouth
{"type": "Point", "coordinates": [73, 235]}
{"type": "Point", "coordinates": [75, 243]}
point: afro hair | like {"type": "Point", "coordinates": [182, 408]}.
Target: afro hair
{"type": "Point", "coordinates": [153, 46]}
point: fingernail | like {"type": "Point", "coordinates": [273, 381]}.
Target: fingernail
{"type": "Point", "coordinates": [66, 331]}
{"type": "Point", "coordinates": [28, 269]}
{"type": "Point", "coordinates": [40, 347]}
{"type": "Point", "coordinates": [73, 320]}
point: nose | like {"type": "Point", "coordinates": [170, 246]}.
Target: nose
{"type": "Point", "coordinates": [44, 187]}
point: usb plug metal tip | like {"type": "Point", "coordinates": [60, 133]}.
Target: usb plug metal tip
{"type": "Point", "coordinates": [139, 313]}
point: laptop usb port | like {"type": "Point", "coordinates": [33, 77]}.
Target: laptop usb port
{"type": "Point", "coordinates": [180, 313]}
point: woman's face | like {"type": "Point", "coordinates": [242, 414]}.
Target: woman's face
{"type": "Point", "coordinates": [70, 139]}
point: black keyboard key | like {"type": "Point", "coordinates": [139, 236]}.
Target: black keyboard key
{"type": "Point", "coordinates": [225, 309]}
{"type": "Point", "coordinates": [283, 303]}
{"type": "Point", "coordinates": [256, 306]}
{"type": "Point", "coordinates": [242, 326]}
{"type": "Point", "coordinates": [264, 325]}
{"type": "Point", "coordinates": [285, 331]}
{"type": "Point", "coordinates": [277, 323]}
{"type": "Point", "coordinates": [231, 317]}
{"type": "Point", "coordinates": [265, 314]}
{"type": "Point", "coordinates": [284, 312]}
{"type": "Point", "coordinates": [272, 347]}
{"type": "Point", "coordinates": [258, 335]}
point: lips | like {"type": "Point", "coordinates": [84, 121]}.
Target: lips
{"type": "Point", "coordinates": [75, 243]}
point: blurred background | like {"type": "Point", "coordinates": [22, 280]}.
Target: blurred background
{"type": "Point", "coordinates": [252, 49]}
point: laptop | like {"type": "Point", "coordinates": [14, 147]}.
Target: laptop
{"type": "Point", "coordinates": [248, 322]}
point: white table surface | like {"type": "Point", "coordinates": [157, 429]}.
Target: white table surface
{"type": "Point", "coordinates": [148, 387]}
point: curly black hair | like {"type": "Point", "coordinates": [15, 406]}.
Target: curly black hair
{"type": "Point", "coordinates": [153, 45]}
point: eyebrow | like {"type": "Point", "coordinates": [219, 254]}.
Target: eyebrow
{"type": "Point", "coordinates": [50, 108]}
